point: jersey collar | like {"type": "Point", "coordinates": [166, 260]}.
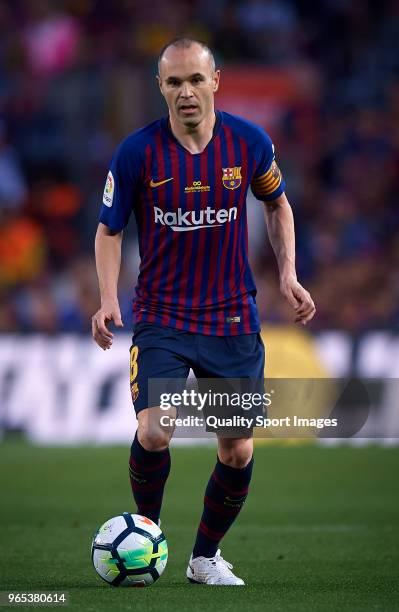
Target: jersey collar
{"type": "Point", "coordinates": [165, 124]}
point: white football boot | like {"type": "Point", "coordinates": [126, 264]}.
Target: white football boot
{"type": "Point", "coordinates": [214, 570]}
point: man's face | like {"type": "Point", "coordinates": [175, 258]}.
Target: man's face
{"type": "Point", "coordinates": [188, 83]}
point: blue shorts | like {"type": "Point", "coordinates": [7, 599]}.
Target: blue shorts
{"type": "Point", "coordinates": [168, 353]}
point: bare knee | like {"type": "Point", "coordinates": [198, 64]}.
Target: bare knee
{"type": "Point", "coordinates": [236, 453]}
{"type": "Point", "coordinates": [150, 434]}
{"type": "Point", "coordinates": [153, 439]}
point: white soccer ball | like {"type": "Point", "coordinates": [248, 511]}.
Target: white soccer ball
{"type": "Point", "coordinates": [129, 550]}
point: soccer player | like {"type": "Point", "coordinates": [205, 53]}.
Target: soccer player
{"type": "Point", "coordinates": [186, 179]}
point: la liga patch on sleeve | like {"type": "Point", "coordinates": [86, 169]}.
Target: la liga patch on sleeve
{"type": "Point", "coordinates": [109, 190]}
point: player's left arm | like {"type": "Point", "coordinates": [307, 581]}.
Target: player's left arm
{"type": "Point", "coordinates": [280, 227]}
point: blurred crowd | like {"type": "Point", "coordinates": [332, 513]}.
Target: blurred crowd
{"type": "Point", "coordinates": [77, 75]}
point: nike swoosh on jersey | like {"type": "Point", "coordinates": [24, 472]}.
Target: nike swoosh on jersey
{"type": "Point", "coordinates": [158, 183]}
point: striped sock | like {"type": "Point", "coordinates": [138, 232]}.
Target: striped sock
{"type": "Point", "coordinates": [224, 497]}
{"type": "Point", "coordinates": [148, 471]}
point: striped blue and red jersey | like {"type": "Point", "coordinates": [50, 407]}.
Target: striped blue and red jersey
{"type": "Point", "coordinates": [191, 217]}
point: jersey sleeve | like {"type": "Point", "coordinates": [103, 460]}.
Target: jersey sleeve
{"type": "Point", "coordinates": [267, 183]}
{"type": "Point", "coordinates": [121, 187]}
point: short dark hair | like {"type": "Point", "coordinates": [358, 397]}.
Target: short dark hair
{"type": "Point", "coordinates": [186, 43]}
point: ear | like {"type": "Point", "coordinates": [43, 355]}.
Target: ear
{"type": "Point", "coordinates": [216, 79]}
{"type": "Point", "coordinates": [158, 78]}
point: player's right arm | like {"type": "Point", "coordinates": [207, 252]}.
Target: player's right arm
{"type": "Point", "coordinates": [108, 245]}
{"type": "Point", "coordinates": [118, 200]}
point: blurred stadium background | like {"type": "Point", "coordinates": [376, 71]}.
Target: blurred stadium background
{"type": "Point", "coordinates": [76, 76]}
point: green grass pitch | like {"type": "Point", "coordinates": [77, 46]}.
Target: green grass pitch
{"type": "Point", "coordinates": [319, 531]}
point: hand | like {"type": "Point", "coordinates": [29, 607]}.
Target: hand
{"type": "Point", "coordinates": [99, 324]}
{"type": "Point", "coordinates": [299, 298]}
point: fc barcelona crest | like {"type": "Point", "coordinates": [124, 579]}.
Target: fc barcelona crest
{"type": "Point", "coordinates": [134, 391]}
{"type": "Point", "coordinates": [231, 177]}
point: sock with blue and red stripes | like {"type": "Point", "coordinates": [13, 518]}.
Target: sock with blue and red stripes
{"type": "Point", "coordinates": [224, 497]}
{"type": "Point", "coordinates": [148, 471]}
